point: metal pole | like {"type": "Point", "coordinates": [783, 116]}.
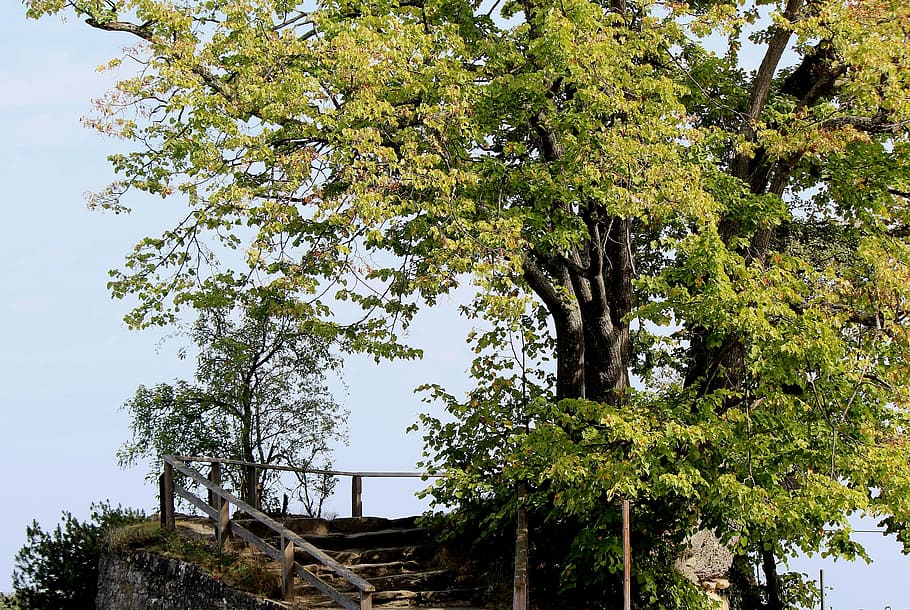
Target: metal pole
{"type": "Point", "coordinates": [821, 586]}
{"type": "Point", "coordinates": [626, 559]}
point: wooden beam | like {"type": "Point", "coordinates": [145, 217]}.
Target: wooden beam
{"type": "Point", "coordinates": [287, 570]}
{"type": "Point", "coordinates": [339, 473]}
{"type": "Point", "coordinates": [166, 489]}
{"type": "Point", "coordinates": [228, 498]}
{"type": "Point", "coordinates": [356, 496]}
{"type": "Point", "coordinates": [215, 478]}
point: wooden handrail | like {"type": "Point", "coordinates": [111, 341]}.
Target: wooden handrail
{"type": "Point", "coordinates": [356, 476]}
{"type": "Point", "coordinates": [341, 473]}
{"type": "Point", "coordinates": [289, 539]}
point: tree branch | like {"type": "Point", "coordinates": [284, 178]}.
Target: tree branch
{"type": "Point", "coordinates": [142, 31]}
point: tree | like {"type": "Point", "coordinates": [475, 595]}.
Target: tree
{"type": "Point", "coordinates": [718, 246]}
{"type": "Point", "coordinates": [259, 395]}
{"type": "Point", "coordinates": [59, 569]}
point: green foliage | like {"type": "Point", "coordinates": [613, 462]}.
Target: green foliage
{"type": "Point", "coordinates": [59, 568]}
{"type": "Point", "coordinates": [8, 602]}
{"type": "Point", "coordinates": [259, 395]}
{"type": "Point", "coordinates": [712, 253]}
{"type": "Point", "coordinates": [247, 572]}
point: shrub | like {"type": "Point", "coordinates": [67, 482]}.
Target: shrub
{"type": "Point", "coordinates": [59, 569]}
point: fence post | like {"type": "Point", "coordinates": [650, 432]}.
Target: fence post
{"type": "Point", "coordinates": [215, 478]}
{"type": "Point", "coordinates": [224, 522]}
{"type": "Point", "coordinates": [626, 558]}
{"type": "Point", "coordinates": [356, 496]}
{"type": "Point", "coordinates": [251, 491]}
{"type": "Point", "coordinates": [166, 497]}
{"type": "Point", "coordinates": [287, 569]}
{"type": "Point", "coordinates": [366, 600]}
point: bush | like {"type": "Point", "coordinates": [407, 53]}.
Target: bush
{"type": "Point", "coordinates": [59, 569]}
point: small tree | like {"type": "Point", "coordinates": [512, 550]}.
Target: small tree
{"type": "Point", "coordinates": [259, 395]}
{"type": "Point", "coordinates": [59, 569]}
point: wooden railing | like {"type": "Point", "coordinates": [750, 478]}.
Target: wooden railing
{"type": "Point", "coordinates": [356, 477]}
{"type": "Point", "coordinates": [218, 508]}
{"type": "Point", "coordinates": [289, 541]}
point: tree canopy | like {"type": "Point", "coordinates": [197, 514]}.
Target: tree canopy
{"type": "Point", "coordinates": [696, 212]}
{"type": "Point", "coordinates": [259, 396]}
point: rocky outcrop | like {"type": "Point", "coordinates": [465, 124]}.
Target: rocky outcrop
{"type": "Point", "coordinates": [707, 562]}
{"type": "Point", "coordinates": [139, 580]}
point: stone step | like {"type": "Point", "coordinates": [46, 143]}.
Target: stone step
{"type": "Point", "coordinates": [421, 553]}
{"type": "Point", "coordinates": [463, 599]}
{"type": "Point", "coordinates": [371, 570]}
{"type": "Point", "coordinates": [449, 598]}
{"type": "Point", "coordinates": [313, 526]}
{"type": "Point", "coordinates": [384, 538]}
{"type": "Point", "coordinates": [409, 581]}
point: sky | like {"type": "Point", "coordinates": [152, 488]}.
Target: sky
{"type": "Point", "coordinates": [67, 361]}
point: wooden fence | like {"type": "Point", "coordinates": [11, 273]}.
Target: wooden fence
{"type": "Point", "coordinates": [218, 508]}
{"type": "Point", "coordinates": [356, 477]}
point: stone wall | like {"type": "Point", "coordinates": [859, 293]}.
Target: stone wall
{"type": "Point", "coordinates": [137, 580]}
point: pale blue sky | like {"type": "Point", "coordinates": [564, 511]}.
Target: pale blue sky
{"type": "Point", "coordinates": [67, 362]}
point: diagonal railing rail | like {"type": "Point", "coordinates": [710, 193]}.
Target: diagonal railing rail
{"type": "Point", "coordinates": [218, 509]}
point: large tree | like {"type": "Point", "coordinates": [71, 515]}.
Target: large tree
{"type": "Point", "coordinates": [259, 395]}
{"type": "Point", "coordinates": [703, 205]}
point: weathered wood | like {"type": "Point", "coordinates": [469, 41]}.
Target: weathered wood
{"type": "Point", "coordinates": [167, 497]}
{"type": "Point", "coordinates": [190, 497]}
{"type": "Point", "coordinates": [337, 473]}
{"type": "Point", "coordinates": [215, 478]}
{"type": "Point", "coordinates": [366, 600]}
{"type": "Point", "coordinates": [520, 586]}
{"type": "Point", "coordinates": [251, 478]}
{"type": "Point", "coordinates": [287, 570]}
{"type": "Point", "coordinates": [299, 571]}
{"type": "Point", "coordinates": [356, 496]}
{"type": "Point", "coordinates": [223, 525]}
{"type": "Point", "coordinates": [253, 540]}
{"type": "Point", "coordinates": [229, 498]}
{"type": "Point", "coordinates": [626, 558]}
{"type": "Point", "coordinates": [162, 501]}
{"type": "Point", "coordinates": [317, 583]}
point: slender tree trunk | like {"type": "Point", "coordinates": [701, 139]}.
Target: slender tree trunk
{"type": "Point", "coordinates": [520, 590]}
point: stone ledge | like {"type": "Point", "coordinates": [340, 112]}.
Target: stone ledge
{"type": "Point", "coordinates": [139, 580]}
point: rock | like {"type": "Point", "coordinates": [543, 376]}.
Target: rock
{"type": "Point", "coordinates": [139, 580]}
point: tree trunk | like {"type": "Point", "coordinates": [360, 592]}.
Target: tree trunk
{"type": "Point", "coordinates": [589, 295]}
{"type": "Point", "coordinates": [520, 590]}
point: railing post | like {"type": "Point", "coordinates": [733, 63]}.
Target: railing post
{"type": "Point", "coordinates": [166, 497]}
{"type": "Point", "coordinates": [626, 558]}
{"type": "Point", "coordinates": [356, 495]}
{"type": "Point", "coordinates": [366, 600]}
{"type": "Point", "coordinates": [215, 477]}
{"type": "Point", "coordinates": [251, 492]}
{"type": "Point", "coordinates": [224, 522]}
{"type": "Point", "coordinates": [287, 569]}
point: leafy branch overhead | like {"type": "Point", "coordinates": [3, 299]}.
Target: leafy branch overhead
{"type": "Point", "coordinates": [686, 223]}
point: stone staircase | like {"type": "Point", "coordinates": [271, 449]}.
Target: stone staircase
{"type": "Point", "coordinates": [403, 560]}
